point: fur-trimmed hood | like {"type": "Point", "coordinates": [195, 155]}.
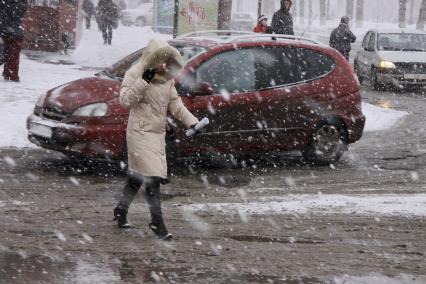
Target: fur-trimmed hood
{"type": "Point", "coordinates": [158, 52]}
{"type": "Point", "coordinates": [149, 105]}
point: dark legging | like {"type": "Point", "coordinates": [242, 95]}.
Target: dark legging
{"type": "Point", "coordinates": [152, 195]}
{"type": "Point", "coordinates": [107, 32]}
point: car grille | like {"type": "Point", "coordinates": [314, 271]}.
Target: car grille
{"type": "Point", "coordinates": [411, 68]}
{"type": "Point", "coordinates": [53, 114]}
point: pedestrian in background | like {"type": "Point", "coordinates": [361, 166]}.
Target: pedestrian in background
{"type": "Point", "coordinates": [262, 25]}
{"type": "Point", "coordinates": [282, 21]}
{"type": "Point", "coordinates": [149, 93]}
{"type": "Point", "coordinates": [12, 13]}
{"type": "Point", "coordinates": [89, 11]}
{"type": "Point", "coordinates": [107, 17]}
{"type": "Point", "coordinates": [342, 37]}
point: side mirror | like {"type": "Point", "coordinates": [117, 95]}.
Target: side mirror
{"type": "Point", "coordinates": [202, 89]}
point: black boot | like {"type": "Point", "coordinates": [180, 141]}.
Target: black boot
{"type": "Point", "coordinates": [161, 231]}
{"type": "Point", "coordinates": [121, 216]}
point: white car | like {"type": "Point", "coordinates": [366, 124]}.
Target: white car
{"type": "Point", "coordinates": [394, 57]}
{"type": "Point", "coordinates": [139, 16]}
{"type": "Point", "coordinates": [243, 21]}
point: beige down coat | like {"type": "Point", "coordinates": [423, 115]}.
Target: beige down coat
{"type": "Point", "coordinates": [149, 105]}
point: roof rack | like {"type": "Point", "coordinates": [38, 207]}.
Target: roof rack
{"type": "Point", "coordinates": [274, 37]}
{"type": "Point", "coordinates": [242, 35]}
{"type": "Point", "coordinates": [213, 33]}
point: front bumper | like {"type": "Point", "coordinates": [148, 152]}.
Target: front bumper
{"type": "Point", "coordinates": [104, 141]}
{"type": "Point", "coordinates": [402, 80]}
{"type": "Point", "coordinates": [127, 20]}
{"type": "Point", "coordinates": [355, 127]}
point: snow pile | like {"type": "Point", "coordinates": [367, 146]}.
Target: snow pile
{"type": "Point", "coordinates": [378, 118]}
{"type": "Point", "coordinates": [17, 100]}
{"type": "Point", "coordinates": [377, 278]}
{"type": "Point", "coordinates": [323, 204]}
{"type": "Point", "coordinates": [93, 53]}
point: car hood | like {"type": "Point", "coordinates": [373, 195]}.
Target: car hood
{"type": "Point", "coordinates": [403, 56]}
{"type": "Point", "coordinates": [75, 94]}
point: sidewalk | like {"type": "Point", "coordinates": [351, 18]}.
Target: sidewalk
{"type": "Point", "coordinates": [41, 71]}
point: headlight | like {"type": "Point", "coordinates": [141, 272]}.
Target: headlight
{"type": "Point", "coordinates": [386, 64]}
{"type": "Point", "coordinates": [96, 109]}
{"type": "Point", "coordinates": [40, 100]}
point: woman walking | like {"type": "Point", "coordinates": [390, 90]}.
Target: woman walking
{"type": "Point", "coordinates": [149, 93]}
{"type": "Point", "coordinates": [107, 18]}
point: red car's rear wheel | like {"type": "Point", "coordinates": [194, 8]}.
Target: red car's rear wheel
{"type": "Point", "coordinates": [328, 143]}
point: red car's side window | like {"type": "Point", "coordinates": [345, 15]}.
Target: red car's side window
{"type": "Point", "coordinates": [258, 68]}
{"type": "Point", "coordinates": [232, 71]}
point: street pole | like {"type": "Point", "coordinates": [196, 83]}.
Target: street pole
{"type": "Point", "coordinates": [176, 20]}
{"type": "Point", "coordinates": [155, 16]}
{"type": "Point", "coordinates": [359, 13]}
{"type": "Point", "coordinates": [259, 8]}
{"type": "Point", "coordinates": [411, 19]}
{"type": "Point", "coordinates": [224, 15]}
{"type": "Point", "coordinates": [302, 12]}
{"type": "Point", "coordinates": [403, 13]}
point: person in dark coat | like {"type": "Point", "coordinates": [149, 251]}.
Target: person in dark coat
{"type": "Point", "coordinates": [107, 17]}
{"type": "Point", "coordinates": [89, 11]}
{"type": "Point", "coordinates": [12, 13]}
{"type": "Point", "coordinates": [282, 21]}
{"type": "Point", "coordinates": [342, 37]}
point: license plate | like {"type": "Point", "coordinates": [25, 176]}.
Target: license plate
{"type": "Point", "coordinates": [415, 76]}
{"type": "Point", "coordinates": [41, 130]}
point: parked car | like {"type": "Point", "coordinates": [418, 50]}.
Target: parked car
{"type": "Point", "coordinates": [392, 58]}
{"type": "Point", "coordinates": [261, 93]}
{"type": "Point", "coordinates": [139, 16]}
{"type": "Point", "coordinates": [243, 21]}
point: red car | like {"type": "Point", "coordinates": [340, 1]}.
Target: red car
{"type": "Point", "coordinates": [260, 92]}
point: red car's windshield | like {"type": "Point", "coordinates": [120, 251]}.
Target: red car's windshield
{"type": "Point", "coordinates": [118, 69]}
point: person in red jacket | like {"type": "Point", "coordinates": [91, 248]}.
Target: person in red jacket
{"type": "Point", "coordinates": [262, 25]}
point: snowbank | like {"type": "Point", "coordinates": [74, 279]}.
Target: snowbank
{"type": "Point", "coordinates": [366, 204]}
{"type": "Point", "coordinates": [377, 278]}
{"type": "Point", "coordinates": [379, 118]}
{"type": "Point", "coordinates": [93, 53]}
{"type": "Point", "coordinates": [17, 100]}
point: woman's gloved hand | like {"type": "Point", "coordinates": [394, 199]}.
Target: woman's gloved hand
{"type": "Point", "coordinates": [148, 75]}
{"type": "Point", "coordinates": [197, 128]}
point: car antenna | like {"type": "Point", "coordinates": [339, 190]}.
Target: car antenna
{"type": "Point", "coordinates": [308, 26]}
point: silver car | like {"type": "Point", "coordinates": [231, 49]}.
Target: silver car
{"type": "Point", "coordinates": [139, 16]}
{"type": "Point", "coordinates": [392, 58]}
{"type": "Point", "coordinates": [243, 21]}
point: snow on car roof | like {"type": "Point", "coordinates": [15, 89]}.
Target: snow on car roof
{"type": "Point", "coordinates": [217, 37]}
